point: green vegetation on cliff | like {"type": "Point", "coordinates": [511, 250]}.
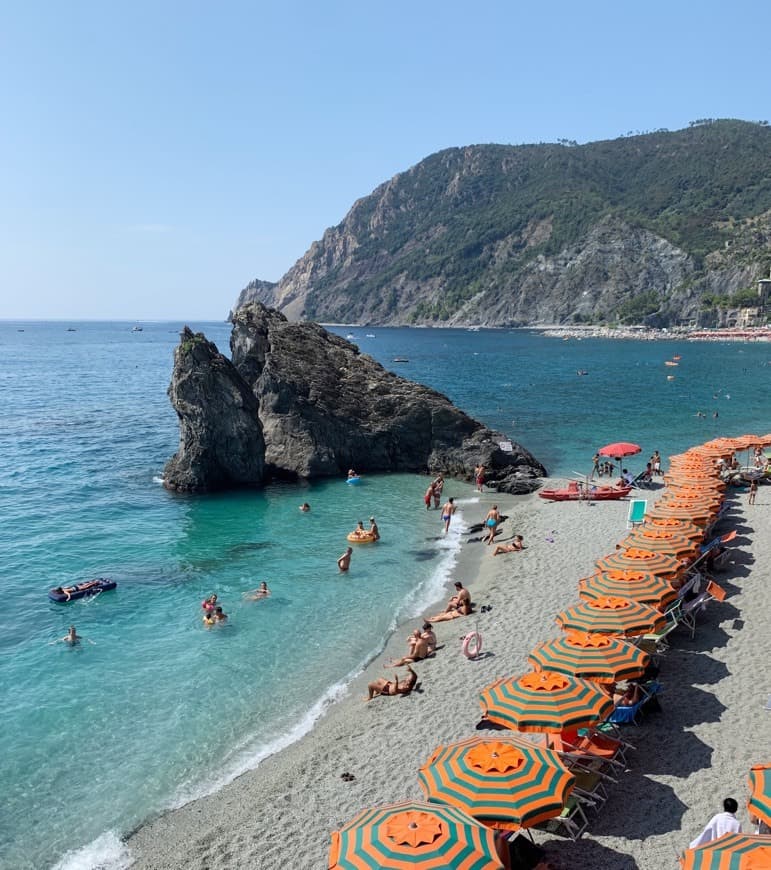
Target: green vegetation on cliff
{"type": "Point", "coordinates": [469, 222]}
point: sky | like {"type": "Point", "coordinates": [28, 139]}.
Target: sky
{"type": "Point", "coordinates": [157, 156]}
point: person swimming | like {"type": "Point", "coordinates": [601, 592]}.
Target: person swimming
{"type": "Point", "coordinates": [257, 594]}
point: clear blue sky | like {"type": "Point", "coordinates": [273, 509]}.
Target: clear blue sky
{"type": "Point", "coordinates": [156, 156]}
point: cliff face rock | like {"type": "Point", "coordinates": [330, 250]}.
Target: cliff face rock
{"type": "Point", "coordinates": [322, 407]}
{"type": "Point", "coordinates": [633, 230]}
{"type": "Point", "coordinates": [220, 436]}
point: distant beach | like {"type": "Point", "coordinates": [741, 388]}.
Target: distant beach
{"type": "Point", "coordinates": [641, 333]}
{"type": "Point", "coordinates": [696, 751]}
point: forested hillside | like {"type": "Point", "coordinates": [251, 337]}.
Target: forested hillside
{"type": "Point", "coordinates": [661, 227]}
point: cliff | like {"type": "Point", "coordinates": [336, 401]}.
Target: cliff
{"type": "Point", "coordinates": [639, 229]}
{"type": "Point", "coordinates": [303, 403]}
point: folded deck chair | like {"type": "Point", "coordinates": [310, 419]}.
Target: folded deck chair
{"type": "Point", "coordinates": [696, 605]}
{"type": "Point", "coordinates": [636, 515]}
{"type": "Point", "coordinates": [643, 481]}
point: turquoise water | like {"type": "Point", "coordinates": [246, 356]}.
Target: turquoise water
{"type": "Point", "coordinates": [155, 708]}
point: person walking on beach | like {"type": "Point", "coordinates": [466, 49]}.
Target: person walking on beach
{"type": "Point", "coordinates": [656, 463]}
{"type": "Point", "coordinates": [753, 491]}
{"type": "Point", "coordinates": [344, 562]}
{"type": "Point", "coordinates": [721, 823]}
{"type": "Point", "coordinates": [447, 513]}
{"type": "Point", "coordinates": [479, 477]}
{"type": "Point", "coordinates": [595, 466]}
{"type": "Point", "coordinates": [491, 523]}
{"type": "Point", "coordinates": [438, 487]}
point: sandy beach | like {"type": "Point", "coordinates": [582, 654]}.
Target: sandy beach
{"type": "Point", "coordinates": [690, 756]}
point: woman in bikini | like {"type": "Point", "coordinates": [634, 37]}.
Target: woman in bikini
{"type": "Point", "coordinates": [383, 686]}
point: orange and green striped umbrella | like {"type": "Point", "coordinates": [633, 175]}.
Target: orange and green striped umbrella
{"type": "Point", "coordinates": [638, 559]}
{"type": "Point", "coordinates": [413, 834]}
{"type": "Point", "coordinates": [544, 701]}
{"type": "Point", "coordinates": [671, 544]}
{"type": "Point", "coordinates": [745, 442]}
{"type": "Point", "coordinates": [730, 852]}
{"type": "Point", "coordinates": [697, 515]}
{"type": "Point", "coordinates": [501, 783]}
{"type": "Point", "coordinates": [612, 616]}
{"type": "Point", "coordinates": [759, 803]}
{"type": "Point", "coordinates": [653, 532]}
{"type": "Point", "coordinates": [642, 586]}
{"type": "Point", "coordinates": [673, 524]}
{"type": "Point", "coordinates": [595, 657]}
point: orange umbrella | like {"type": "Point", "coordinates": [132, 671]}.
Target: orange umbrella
{"type": "Point", "coordinates": [695, 496]}
{"type": "Point", "coordinates": [649, 533]}
{"type": "Point", "coordinates": [639, 586]}
{"type": "Point", "coordinates": [689, 489]}
{"type": "Point", "coordinates": [695, 481]}
{"type": "Point", "coordinates": [612, 616]}
{"type": "Point", "coordinates": [413, 834]}
{"type": "Point", "coordinates": [673, 524]}
{"type": "Point", "coordinates": [544, 701]}
{"type": "Point", "coordinates": [697, 515]}
{"type": "Point", "coordinates": [744, 442]}
{"type": "Point", "coordinates": [679, 546]}
{"type": "Point", "coordinates": [500, 782]}
{"type": "Point", "coordinates": [759, 782]}
{"type": "Point", "coordinates": [596, 657]}
{"type": "Point", "coordinates": [637, 559]}
{"type": "Point", "coordinates": [730, 852]}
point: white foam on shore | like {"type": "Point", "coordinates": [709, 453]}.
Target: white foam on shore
{"type": "Point", "coordinates": [106, 852]}
{"type": "Point", "coordinates": [250, 755]}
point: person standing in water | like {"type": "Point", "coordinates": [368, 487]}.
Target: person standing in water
{"type": "Point", "coordinates": [447, 513]}
{"type": "Point", "coordinates": [344, 562]}
{"type": "Point", "coordinates": [374, 531]}
{"type": "Point", "coordinates": [438, 487]}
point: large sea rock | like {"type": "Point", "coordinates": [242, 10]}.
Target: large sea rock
{"type": "Point", "coordinates": [321, 407]}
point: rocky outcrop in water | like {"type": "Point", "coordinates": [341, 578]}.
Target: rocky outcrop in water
{"type": "Point", "coordinates": [220, 435]}
{"type": "Point", "coordinates": [321, 407]}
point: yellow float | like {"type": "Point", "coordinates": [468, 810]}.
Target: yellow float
{"type": "Point", "coordinates": [361, 536]}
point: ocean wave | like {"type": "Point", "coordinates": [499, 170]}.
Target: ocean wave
{"type": "Point", "coordinates": [106, 852]}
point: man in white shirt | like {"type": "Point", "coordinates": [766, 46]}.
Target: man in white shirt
{"type": "Point", "coordinates": [722, 823]}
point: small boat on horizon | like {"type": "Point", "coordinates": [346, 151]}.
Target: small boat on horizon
{"type": "Point", "coordinates": [136, 328]}
{"type": "Point", "coordinates": [670, 362]}
{"type": "Point", "coordinates": [400, 359]}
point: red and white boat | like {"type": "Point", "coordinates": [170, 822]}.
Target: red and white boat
{"type": "Point", "coordinates": [576, 491]}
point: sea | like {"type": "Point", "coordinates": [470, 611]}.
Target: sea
{"type": "Point", "coordinates": [153, 709]}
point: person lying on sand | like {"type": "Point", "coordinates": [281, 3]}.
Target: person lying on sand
{"type": "Point", "coordinates": [382, 686]}
{"type": "Point", "coordinates": [418, 650]}
{"type": "Point", "coordinates": [515, 546]}
{"type": "Point", "coordinates": [458, 605]}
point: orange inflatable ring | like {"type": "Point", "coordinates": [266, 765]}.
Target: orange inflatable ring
{"type": "Point", "coordinates": [472, 645]}
{"type": "Point", "coordinates": [361, 537]}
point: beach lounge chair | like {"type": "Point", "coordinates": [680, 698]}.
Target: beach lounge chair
{"type": "Point", "coordinates": [589, 788]}
{"type": "Point", "coordinates": [643, 481]}
{"type": "Point", "coordinates": [636, 515]}
{"type": "Point", "coordinates": [572, 819]}
{"type": "Point", "coordinates": [632, 715]}
{"type": "Point", "coordinates": [692, 608]}
{"type": "Point", "coordinates": [657, 644]}
{"type": "Point", "coordinates": [596, 745]}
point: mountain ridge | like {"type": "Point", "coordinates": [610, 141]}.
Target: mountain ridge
{"type": "Point", "coordinates": [650, 228]}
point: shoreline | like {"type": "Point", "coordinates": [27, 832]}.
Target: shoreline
{"type": "Point", "coordinates": [699, 748]}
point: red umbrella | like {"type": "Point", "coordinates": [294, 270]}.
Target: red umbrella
{"type": "Point", "coordinates": [620, 448]}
